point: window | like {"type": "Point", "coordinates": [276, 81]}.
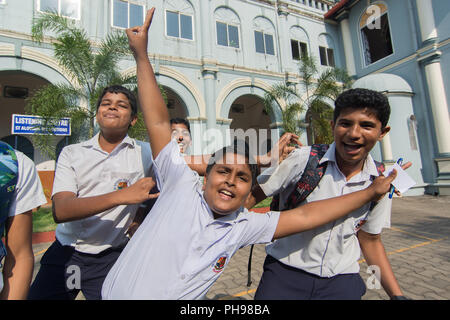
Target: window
{"type": "Point", "coordinates": [326, 57]}
{"type": "Point", "coordinates": [66, 8]}
{"type": "Point", "coordinates": [376, 34]}
{"type": "Point", "coordinates": [264, 43]}
{"type": "Point", "coordinates": [126, 14]}
{"type": "Point", "coordinates": [299, 49]}
{"type": "Point", "coordinates": [227, 35]}
{"type": "Point", "coordinates": [179, 25]}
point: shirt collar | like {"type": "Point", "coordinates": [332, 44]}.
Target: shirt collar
{"type": "Point", "coordinates": [93, 142]}
{"type": "Point", "coordinates": [228, 219]}
{"type": "Point", "coordinates": [369, 167]}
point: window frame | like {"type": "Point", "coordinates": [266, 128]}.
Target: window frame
{"type": "Point", "coordinates": [327, 57]}
{"type": "Point", "coordinates": [264, 42]}
{"type": "Point", "coordinates": [59, 9]}
{"type": "Point", "coordinates": [300, 50]}
{"type": "Point", "coordinates": [128, 13]}
{"type": "Point", "coordinates": [179, 25]}
{"type": "Point", "coordinates": [362, 47]}
{"type": "Point", "coordinates": [228, 35]}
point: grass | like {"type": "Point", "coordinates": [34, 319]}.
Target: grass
{"type": "Point", "coordinates": [265, 203]}
{"type": "Point", "coordinates": [43, 220]}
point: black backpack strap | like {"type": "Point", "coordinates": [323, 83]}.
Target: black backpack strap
{"type": "Point", "coordinates": [309, 180]}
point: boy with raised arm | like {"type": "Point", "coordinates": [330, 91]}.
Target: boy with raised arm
{"type": "Point", "coordinates": [194, 230]}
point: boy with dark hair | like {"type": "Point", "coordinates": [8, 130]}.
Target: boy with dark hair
{"type": "Point", "coordinates": [97, 193]}
{"type": "Point", "coordinates": [181, 132]}
{"type": "Point", "coordinates": [322, 263]}
{"type": "Point", "coordinates": [183, 248]}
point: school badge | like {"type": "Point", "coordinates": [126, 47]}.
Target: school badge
{"type": "Point", "coordinates": [220, 263]}
{"type": "Point", "coordinates": [120, 184]}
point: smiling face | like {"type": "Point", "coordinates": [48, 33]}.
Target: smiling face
{"type": "Point", "coordinates": [114, 114]}
{"type": "Point", "coordinates": [180, 133]}
{"type": "Point", "coordinates": [228, 184]}
{"type": "Point", "coordinates": [355, 133]}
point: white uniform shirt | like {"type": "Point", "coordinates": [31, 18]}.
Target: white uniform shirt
{"type": "Point", "coordinates": [87, 170]}
{"type": "Point", "coordinates": [28, 193]}
{"type": "Point", "coordinates": [180, 249]}
{"type": "Point", "coordinates": [332, 248]}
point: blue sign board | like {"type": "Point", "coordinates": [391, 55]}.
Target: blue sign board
{"type": "Point", "coordinates": [29, 124]}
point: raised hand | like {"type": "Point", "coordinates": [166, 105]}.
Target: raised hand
{"type": "Point", "coordinates": [138, 36]}
{"type": "Point", "coordinates": [280, 150]}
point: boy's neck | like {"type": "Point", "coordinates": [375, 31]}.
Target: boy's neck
{"type": "Point", "coordinates": [350, 169]}
{"type": "Point", "coordinates": [108, 142]}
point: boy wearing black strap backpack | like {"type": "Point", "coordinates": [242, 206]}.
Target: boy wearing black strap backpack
{"type": "Point", "coordinates": [323, 263]}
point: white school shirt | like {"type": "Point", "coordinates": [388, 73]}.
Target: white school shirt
{"type": "Point", "coordinates": [333, 248]}
{"type": "Point", "coordinates": [87, 170]}
{"type": "Point", "coordinates": [180, 250]}
{"type": "Point", "coordinates": [28, 193]}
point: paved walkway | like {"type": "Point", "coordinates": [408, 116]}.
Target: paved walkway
{"type": "Point", "coordinates": [417, 245]}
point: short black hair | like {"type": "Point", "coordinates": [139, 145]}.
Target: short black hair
{"type": "Point", "coordinates": [181, 121]}
{"type": "Point", "coordinates": [237, 147]}
{"type": "Point", "coordinates": [364, 98]}
{"type": "Point", "coordinates": [120, 89]}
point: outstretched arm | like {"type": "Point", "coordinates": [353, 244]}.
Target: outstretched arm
{"type": "Point", "coordinates": [154, 110]}
{"type": "Point", "coordinates": [317, 213]}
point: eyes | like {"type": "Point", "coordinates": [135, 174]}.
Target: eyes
{"type": "Point", "coordinates": [365, 124]}
{"type": "Point", "coordinates": [241, 175]}
{"type": "Point", "coordinates": [120, 104]}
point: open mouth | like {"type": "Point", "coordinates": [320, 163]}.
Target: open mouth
{"type": "Point", "coordinates": [226, 195]}
{"type": "Point", "coordinates": [352, 148]}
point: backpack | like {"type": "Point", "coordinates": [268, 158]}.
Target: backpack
{"type": "Point", "coordinates": [309, 180]}
{"type": "Point", "coordinates": [8, 181]}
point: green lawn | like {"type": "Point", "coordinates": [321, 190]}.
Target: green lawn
{"type": "Point", "coordinates": [43, 220]}
{"type": "Point", "coordinates": [265, 203]}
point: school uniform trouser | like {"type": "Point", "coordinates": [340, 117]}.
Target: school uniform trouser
{"type": "Point", "coordinates": [280, 281]}
{"type": "Point", "coordinates": [65, 271]}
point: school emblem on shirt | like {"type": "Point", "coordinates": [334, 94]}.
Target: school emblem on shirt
{"type": "Point", "coordinates": [359, 224]}
{"type": "Point", "coordinates": [120, 184]}
{"type": "Point", "coordinates": [220, 263]}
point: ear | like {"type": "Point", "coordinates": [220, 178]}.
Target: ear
{"type": "Point", "coordinates": [384, 131]}
{"type": "Point", "coordinates": [332, 124]}
{"type": "Point", "coordinates": [133, 121]}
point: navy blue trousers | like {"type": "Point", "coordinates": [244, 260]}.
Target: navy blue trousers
{"type": "Point", "coordinates": [60, 267]}
{"type": "Point", "coordinates": [282, 282]}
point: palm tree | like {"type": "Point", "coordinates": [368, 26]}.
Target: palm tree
{"type": "Point", "coordinates": [319, 88]}
{"type": "Point", "coordinates": [91, 68]}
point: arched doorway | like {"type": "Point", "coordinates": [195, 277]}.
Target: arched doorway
{"type": "Point", "coordinates": [15, 88]}
{"type": "Point", "coordinates": [248, 114]}
{"type": "Point", "coordinates": [175, 105]}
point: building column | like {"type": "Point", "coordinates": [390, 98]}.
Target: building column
{"type": "Point", "coordinates": [348, 46]}
{"type": "Point", "coordinates": [386, 148]}
{"type": "Point", "coordinates": [434, 79]}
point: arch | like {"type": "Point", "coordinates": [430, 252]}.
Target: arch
{"type": "Point", "coordinates": [384, 82]}
{"type": "Point", "coordinates": [298, 33]}
{"type": "Point", "coordinates": [39, 64]}
{"type": "Point", "coordinates": [374, 33]}
{"type": "Point", "coordinates": [240, 87]}
{"type": "Point", "coordinates": [182, 86]}
{"type": "Point", "coordinates": [184, 6]}
{"type": "Point", "coordinates": [227, 14]}
{"type": "Point", "coordinates": [263, 24]}
{"type": "Point", "coordinates": [325, 40]}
